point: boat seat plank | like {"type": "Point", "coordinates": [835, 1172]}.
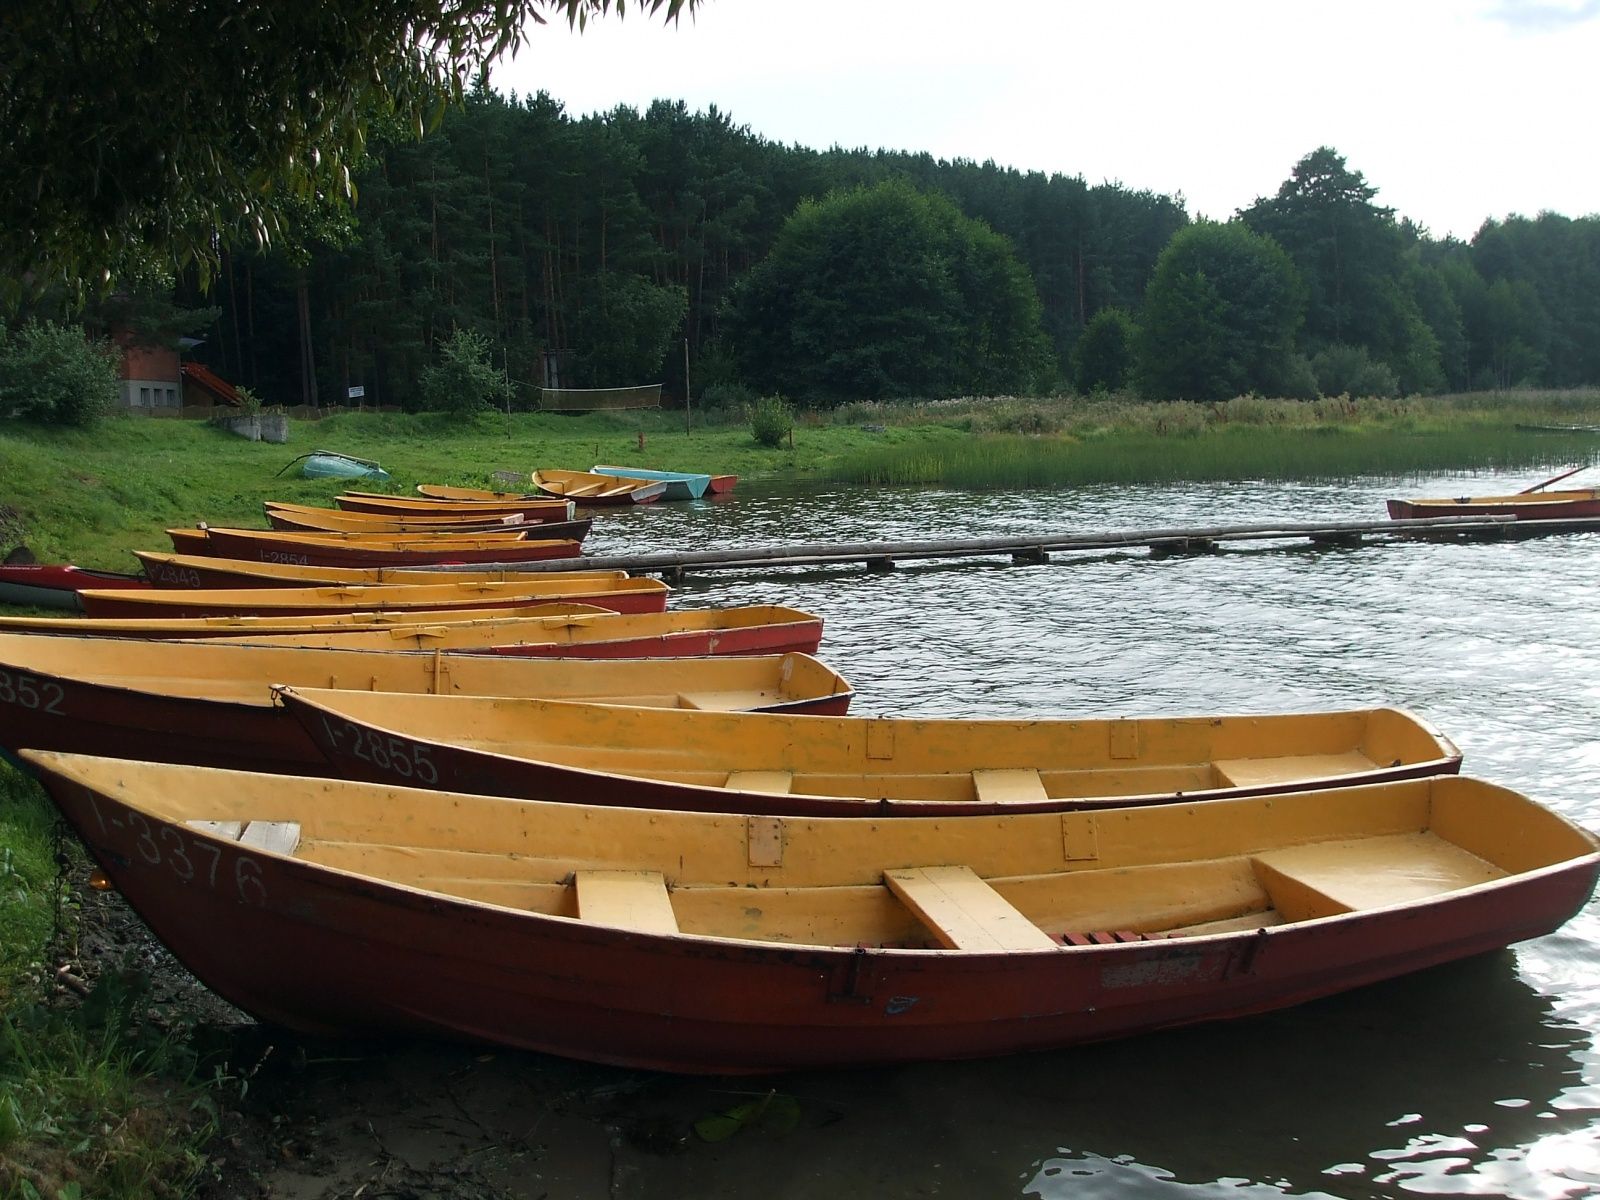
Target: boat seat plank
{"type": "Point", "coordinates": [280, 837]}
{"type": "Point", "coordinates": [1008, 785]}
{"type": "Point", "coordinates": [636, 900]}
{"type": "Point", "coordinates": [227, 830]}
{"type": "Point", "coordinates": [1353, 876]}
{"type": "Point", "coordinates": [963, 911]}
{"type": "Point", "coordinates": [728, 700]}
{"type": "Point", "coordinates": [760, 781]}
{"type": "Point", "coordinates": [1290, 768]}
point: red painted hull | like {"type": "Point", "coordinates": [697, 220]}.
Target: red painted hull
{"type": "Point", "coordinates": [90, 718]}
{"type": "Point", "coordinates": [116, 606]}
{"type": "Point", "coordinates": [237, 573]}
{"type": "Point", "coordinates": [721, 485]}
{"type": "Point", "coordinates": [534, 511]}
{"type": "Point", "coordinates": [227, 544]}
{"type": "Point", "coordinates": [329, 953]}
{"type": "Point", "coordinates": [56, 585]}
{"type": "Point", "coordinates": [800, 637]}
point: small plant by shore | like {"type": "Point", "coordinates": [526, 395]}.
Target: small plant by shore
{"type": "Point", "coordinates": [771, 420]}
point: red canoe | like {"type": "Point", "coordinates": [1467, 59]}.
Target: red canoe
{"type": "Point", "coordinates": [56, 585]}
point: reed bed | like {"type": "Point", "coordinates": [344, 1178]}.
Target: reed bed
{"type": "Point", "coordinates": [1013, 461]}
{"type": "Point", "coordinates": [1024, 443]}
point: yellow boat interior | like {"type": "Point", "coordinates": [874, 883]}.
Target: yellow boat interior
{"type": "Point", "coordinates": [906, 758]}
{"type": "Point", "coordinates": [965, 884]}
{"type": "Point", "coordinates": [240, 673]}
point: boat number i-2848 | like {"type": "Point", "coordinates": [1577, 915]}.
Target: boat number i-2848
{"type": "Point", "coordinates": [26, 691]}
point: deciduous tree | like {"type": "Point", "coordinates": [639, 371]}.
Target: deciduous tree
{"type": "Point", "coordinates": [166, 128]}
{"type": "Point", "coordinates": [1219, 316]}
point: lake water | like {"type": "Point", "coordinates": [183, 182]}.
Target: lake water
{"type": "Point", "coordinates": [1479, 1079]}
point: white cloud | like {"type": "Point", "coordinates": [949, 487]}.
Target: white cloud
{"type": "Point", "coordinates": [1455, 112]}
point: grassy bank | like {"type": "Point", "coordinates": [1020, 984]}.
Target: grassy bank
{"type": "Point", "coordinates": [88, 496]}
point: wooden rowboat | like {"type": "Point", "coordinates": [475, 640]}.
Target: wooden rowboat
{"type": "Point", "coordinates": [540, 509]}
{"type": "Point", "coordinates": [721, 485]}
{"type": "Point", "coordinates": [203, 571]}
{"type": "Point", "coordinates": [370, 550]}
{"type": "Point", "coordinates": [539, 631]}
{"type": "Point", "coordinates": [584, 487]}
{"type": "Point", "coordinates": [617, 595]}
{"type": "Point", "coordinates": [703, 942]}
{"type": "Point", "coordinates": [210, 703]}
{"type": "Point", "coordinates": [847, 766]}
{"type": "Point", "coordinates": [56, 585]}
{"type": "Point", "coordinates": [748, 629]}
{"type": "Point", "coordinates": [681, 485]}
{"type": "Point", "coordinates": [236, 626]}
{"type": "Point", "coordinates": [445, 491]}
{"type": "Point", "coordinates": [333, 520]}
{"type": "Point", "coordinates": [1525, 506]}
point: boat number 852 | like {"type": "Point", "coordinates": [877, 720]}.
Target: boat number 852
{"type": "Point", "coordinates": [41, 695]}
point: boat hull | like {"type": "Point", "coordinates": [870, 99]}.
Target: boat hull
{"type": "Point", "coordinates": [44, 706]}
{"type": "Point", "coordinates": [539, 511]}
{"type": "Point", "coordinates": [639, 596]}
{"type": "Point", "coordinates": [192, 571]}
{"type": "Point", "coordinates": [55, 585]}
{"type": "Point", "coordinates": [681, 485]}
{"type": "Point", "coordinates": [584, 487]}
{"type": "Point", "coordinates": [1533, 506]}
{"type": "Point", "coordinates": [224, 543]}
{"type": "Point", "coordinates": [332, 954]}
{"type": "Point", "coordinates": [649, 770]}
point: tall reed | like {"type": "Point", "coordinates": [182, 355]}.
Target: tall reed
{"type": "Point", "coordinates": [1256, 452]}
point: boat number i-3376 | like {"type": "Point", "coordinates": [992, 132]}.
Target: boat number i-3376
{"type": "Point", "coordinates": [191, 859]}
{"type": "Point", "coordinates": [404, 758]}
{"type": "Point", "coordinates": [26, 691]}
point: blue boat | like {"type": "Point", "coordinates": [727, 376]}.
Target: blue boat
{"type": "Point", "coordinates": [325, 464]}
{"type": "Point", "coordinates": [681, 485]}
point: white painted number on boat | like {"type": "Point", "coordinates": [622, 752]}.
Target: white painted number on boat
{"type": "Point", "coordinates": [173, 850]}
{"type": "Point", "coordinates": [182, 576]}
{"type": "Point", "coordinates": [1155, 972]}
{"type": "Point", "coordinates": [25, 691]}
{"type": "Point", "coordinates": [409, 760]}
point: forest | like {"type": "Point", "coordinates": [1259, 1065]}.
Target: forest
{"type": "Point", "coordinates": [623, 248]}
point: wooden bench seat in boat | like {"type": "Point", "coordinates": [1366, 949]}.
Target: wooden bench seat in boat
{"type": "Point", "coordinates": [760, 781]}
{"type": "Point", "coordinates": [1329, 878]}
{"type": "Point", "coordinates": [725, 700]}
{"type": "Point", "coordinates": [281, 837]}
{"type": "Point", "coordinates": [636, 900]}
{"type": "Point", "coordinates": [1259, 772]}
{"type": "Point", "coordinates": [964, 912]}
{"type": "Point", "coordinates": [1008, 785]}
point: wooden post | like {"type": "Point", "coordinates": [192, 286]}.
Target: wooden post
{"type": "Point", "coordinates": [688, 412]}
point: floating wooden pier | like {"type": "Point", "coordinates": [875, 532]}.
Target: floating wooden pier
{"type": "Point", "coordinates": [1037, 548]}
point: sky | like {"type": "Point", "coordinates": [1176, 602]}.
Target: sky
{"type": "Point", "coordinates": [1456, 110]}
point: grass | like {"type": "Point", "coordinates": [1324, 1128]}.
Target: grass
{"type": "Point", "coordinates": [93, 1101]}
